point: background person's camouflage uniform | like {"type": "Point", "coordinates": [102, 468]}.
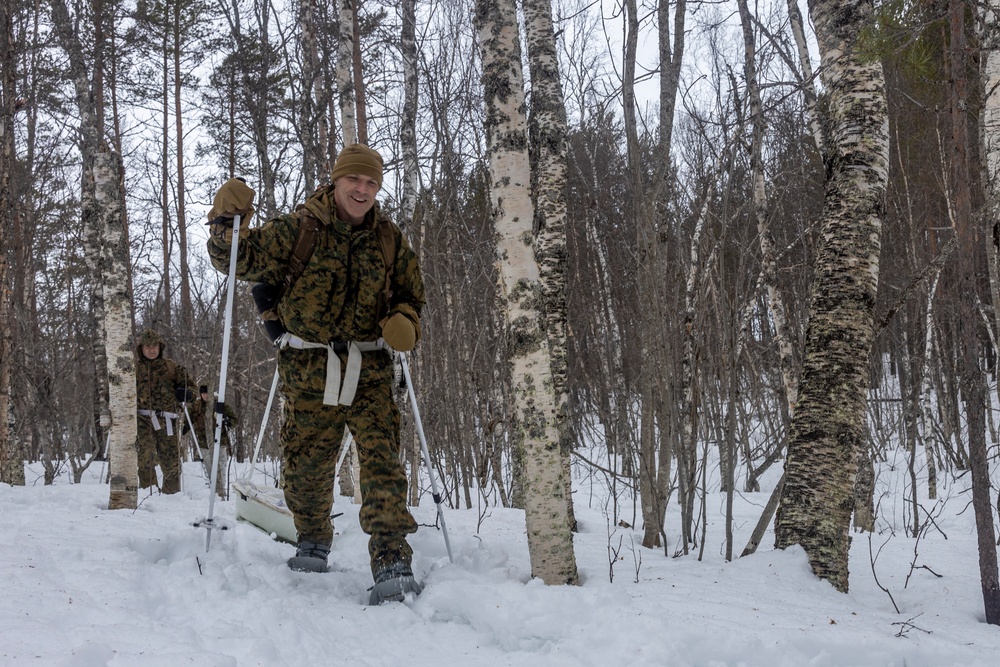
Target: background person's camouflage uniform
{"type": "Point", "coordinates": [335, 300]}
{"type": "Point", "coordinates": [157, 382]}
{"type": "Point", "coordinates": [203, 418]}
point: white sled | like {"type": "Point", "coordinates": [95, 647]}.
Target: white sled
{"type": "Point", "coordinates": [265, 508]}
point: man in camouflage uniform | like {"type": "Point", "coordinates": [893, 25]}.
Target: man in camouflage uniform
{"type": "Point", "coordinates": [161, 384]}
{"type": "Point", "coordinates": [332, 314]}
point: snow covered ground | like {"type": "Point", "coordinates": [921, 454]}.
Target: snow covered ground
{"type": "Point", "coordinates": [86, 587]}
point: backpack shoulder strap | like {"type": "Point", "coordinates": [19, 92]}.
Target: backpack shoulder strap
{"type": "Point", "coordinates": [305, 243]}
{"type": "Point", "coordinates": [267, 297]}
{"type": "Point", "coordinates": [387, 240]}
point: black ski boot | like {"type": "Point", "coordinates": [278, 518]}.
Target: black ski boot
{"type": "Point", "coordinates": [392, 583]}
{"type": "Point", "coordinates": [310, 557]}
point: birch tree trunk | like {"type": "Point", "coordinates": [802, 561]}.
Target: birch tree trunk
{"type": "Point", "coordinates": [328, 119]}
{"type": "Point", "coordinates": [776, 303]}
{"type": "Point", "coordinates": [90, 136]}
{"type": "Point", "coordinates": [931, 431]}
{"type": "Point", "coordinates": [324, 99]}
{"type": "Point", "coordinates": [829, 426]}
{"type": "Point", "coordinates": [409, 221]}
{"type": "Point", "coordinates": [307, 104]}
{"type": "Point", "coordinates": [806, 75]}
{"type": "Point", "coordinates": [360, 102]}
{"type": "Point", "coordinates": [535, 427]}
{"type": "Point", "coordinates": [548, 129]}
{"type": "Point", "coordinates": [768, 254]}
{"type": "Point", "coordinates": [806, 78]}
{"type": "Point", "coordinates": [118, 334]}
{"type": "Point", "coordinates": [115, 58]}
{"type": "Point", "coordinates": [408, 123]}
{"type": "Point", "coordinates": [345, 59]}
{"type": "Point", "coordinates": [978, 454]}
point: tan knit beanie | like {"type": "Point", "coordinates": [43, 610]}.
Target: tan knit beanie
{"type": "Point", "coordinates": [358, 159]}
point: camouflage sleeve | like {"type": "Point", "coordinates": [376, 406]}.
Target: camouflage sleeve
{"type": "Point", "coordinates": [408, 283]}
{"type": "Point", "coordinates": [263, 252]}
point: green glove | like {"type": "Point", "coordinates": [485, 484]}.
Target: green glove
{"type": "Point", "coordinates": [398, 331]}
{"type": "Point", "coordinates": [234, 198]}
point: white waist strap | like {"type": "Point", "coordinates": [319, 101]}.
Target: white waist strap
{"type": "Point", "coordinates": [335, 392]}
{"type": "Point", "coordinates": [153, 415]}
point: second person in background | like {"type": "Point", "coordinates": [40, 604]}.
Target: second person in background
{"type": "Point", "coordinates": [162, 387]}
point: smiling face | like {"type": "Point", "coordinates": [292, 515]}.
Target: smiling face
{"type": "Point", "coordinates": [355, 196]}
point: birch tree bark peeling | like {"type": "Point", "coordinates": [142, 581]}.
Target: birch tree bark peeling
{"type": "Point", "coordinates": [829, 425]}
{"type": "Point", "coordinates": [550, 541]}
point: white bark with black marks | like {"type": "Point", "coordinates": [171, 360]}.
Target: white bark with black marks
{"type": "Point", "coordinates": [548, 135]}
{"type": "Point", "coordinates": [345, 85]}
{"type": "Point", "coordinates": [118, 338]}
{"type": "Point", "coordinates": [308, 118]}
{"type": "Point", "coordinates": [550, 541]}
{"type": "Point", "coordinates": [408, 123]}
{"type": "Point", "coordinates": [829, 427]}
{"type": "Point", "coordinates": [90, 138]}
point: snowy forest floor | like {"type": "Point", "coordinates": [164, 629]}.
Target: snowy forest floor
{"type": "Point", "coordinates": [86, 587]}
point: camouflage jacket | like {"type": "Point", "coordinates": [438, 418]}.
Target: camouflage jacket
{"type": "Point", "coordinates": [155, 381]}
{"type": "Point", "coordinates": [335, 298]}
{"type": "Point", "coordinates": [203, 417]}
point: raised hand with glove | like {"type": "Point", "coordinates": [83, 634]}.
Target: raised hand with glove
{"type": "Point", "coordinates": [183, 394]}
{"type": "Point", "coordinates": [399, 332]}
{"type": "Point", "coordinates": [234, 198]}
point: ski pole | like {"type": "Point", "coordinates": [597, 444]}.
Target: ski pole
{"type": "Point", "coordinates": [427, 456]}
{"type": "Point", "coordinates": [194, 435]}
{"type": "Point", "coordinates": [209, 523]}
{"type": "Point", "coordinates": [263, 424]}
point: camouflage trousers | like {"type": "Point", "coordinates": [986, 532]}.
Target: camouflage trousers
{"type": "Point", "coordinates": [311, 437]}
{"type": "Point", "coordinates": [153, 446]}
